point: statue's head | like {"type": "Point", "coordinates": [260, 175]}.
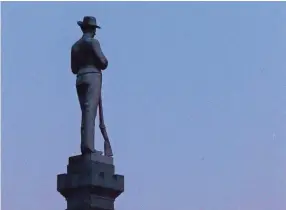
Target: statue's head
{"type": "Point", "coordinates": [88, 25]}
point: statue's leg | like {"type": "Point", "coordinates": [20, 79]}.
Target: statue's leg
{"type": "Point", "coordinates": [88, 92]}
{"type": "Point", "coordinates": [93, 99]}
{"type": "Point", "coordinates": [82, 90]}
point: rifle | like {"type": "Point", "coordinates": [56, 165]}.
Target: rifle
{"type": "Point", "coordinates": [107, 145]}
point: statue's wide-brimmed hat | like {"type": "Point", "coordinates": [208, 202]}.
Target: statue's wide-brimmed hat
{"type": "Point", "coordinates": [88, 21]}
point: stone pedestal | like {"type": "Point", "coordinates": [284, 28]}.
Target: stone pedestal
{"type": "Point", "coordinates": [90, 183]}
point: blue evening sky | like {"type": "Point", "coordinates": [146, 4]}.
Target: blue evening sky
{"type": "Point", "coordinates": [194, 101]}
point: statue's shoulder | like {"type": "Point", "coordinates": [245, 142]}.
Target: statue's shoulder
{"type": "Point", "coordinates": [91, 41]}
{"type": "Point", "coordinates": [76, 44]}
{"type": "Point", "coordinates": [95, 40]}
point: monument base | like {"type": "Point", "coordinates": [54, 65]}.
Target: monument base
{"type": "Point", "coordinates": [90, 183]}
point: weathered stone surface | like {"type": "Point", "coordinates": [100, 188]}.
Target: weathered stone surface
{"type": "Point", "coordinates": [96, 157]}
{"type": "Point", "coordinates": [90, 183]}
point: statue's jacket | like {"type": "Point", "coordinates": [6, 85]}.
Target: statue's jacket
{"type": "Point", "coordinates": [87, 56]}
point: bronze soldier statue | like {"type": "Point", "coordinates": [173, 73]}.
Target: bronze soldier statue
{"type": "Point", "coordinates": [87, 63]}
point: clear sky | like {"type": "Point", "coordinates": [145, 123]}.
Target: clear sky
{"type": "Point", "coordinates": [194, 101]}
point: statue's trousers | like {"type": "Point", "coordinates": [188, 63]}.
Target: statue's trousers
{"type": "Point", "coordinates": [88, 87]}
{"type": "Point", "coordinates": [89, 94]}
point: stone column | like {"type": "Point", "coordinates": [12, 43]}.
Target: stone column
{"type": "Point", "coordinates": [90, 183]}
